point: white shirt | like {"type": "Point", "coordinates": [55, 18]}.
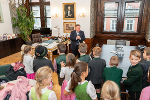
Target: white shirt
{"type": "Point", "coordinates": [90, 88]}
{"type": "Point", "coordinates": [66, 72]}
{"type": "Point", "coordinates": [28, 63]}
{"type": "Point", "coordinates": [52, 95]}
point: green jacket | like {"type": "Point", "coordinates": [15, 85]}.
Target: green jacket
{"type": "Point", "coordinates": [113, 74]}
{"type": "Point", "coordinates": [134, 78]}
{"type": "Point", "coordinates": [59, 59]}
{"type": "Point", "coordinates": [85, 58]}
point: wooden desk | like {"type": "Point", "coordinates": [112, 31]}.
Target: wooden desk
{"type": "Point", "coordinates": [52, 47]}
{"type": "Point", "coordinates": [124, 62]}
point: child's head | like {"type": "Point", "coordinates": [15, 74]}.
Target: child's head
{"type": "Point", "coordinates": [96, 51]}
{"type": "Point", "coordinates": [146, 54]}
{"type": "Point", "coordinates": [43, 77]}
{"type": "Point", "coordinates": [135, 57]}
{"type": "Point", "coordinates": [70, 60]}
{"type": "Point", "coordinates": [82, 48]}
{"type": "Point", "coordinates": [40, 51]}
{"type": "Point", "coordinates": [80, 72]}
{"type": "Point", "coordinates": [110, 91]}
{"type": "Point", "coordinates": [61, 48]}
{"type": "Point", "coordinates": [114, 61]}
{"type": "Point", "coordinates": [27, 49]}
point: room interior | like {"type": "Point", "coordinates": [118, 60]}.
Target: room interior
{"type": "Point", "coordinates": [103, 22]}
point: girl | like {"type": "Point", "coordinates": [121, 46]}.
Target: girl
{"type": "Point", "coordinates": [79, 85]}
{"type": "Point", "coordinates": [41, 91]}
{"type": "Point", "coordinates": [110, 91]}
{"type": "Point", "coordinates": [66, 72]}
{"type": "Point", "coordinates": [27, 60]}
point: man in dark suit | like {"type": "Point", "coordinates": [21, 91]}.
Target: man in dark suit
{"type": "Point", "coordinates": [77, 36]}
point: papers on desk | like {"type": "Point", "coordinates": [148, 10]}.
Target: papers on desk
{"type": "Point", "coordinates": [47, 45]}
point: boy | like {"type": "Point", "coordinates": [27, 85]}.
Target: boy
{"type": "Point", "coordinates": [59, 59]}
{"type": "Point", "coordinates": [96, 68]}
{"type": "Point", "coordinates": [133, 83]}
{"type": "Point", "coordinates": [82, 50]}
{"type": "Point", "coordinates": [145, 63]}
{"type": "Point", "coordinates": [113, 73]}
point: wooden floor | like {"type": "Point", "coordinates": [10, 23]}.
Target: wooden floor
{"type": "Point", "coordinates": [17, 57]}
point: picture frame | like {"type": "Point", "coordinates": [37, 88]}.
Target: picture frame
{"type": "Point", "coordinates": [1, 16]}
{"type": "Point", "coordinates": [69, 11]}
{"type": "Point", "coordinates": [69, 26]}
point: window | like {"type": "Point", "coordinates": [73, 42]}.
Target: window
{"type": "Point", "coordinates": [41, 13]}
{"type": "Point", "coordinates": [120, 16]}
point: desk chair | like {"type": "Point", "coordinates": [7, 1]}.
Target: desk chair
{"type": "Point", "coordinates": [36, 38]}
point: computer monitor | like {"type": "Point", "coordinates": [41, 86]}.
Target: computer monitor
{"type": "Point", "coordinates": [45, 31]}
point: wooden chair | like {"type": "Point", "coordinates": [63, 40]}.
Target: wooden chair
{"type": "Point", "coordinates": [36, 38]}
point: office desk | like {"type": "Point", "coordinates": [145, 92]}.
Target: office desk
{"type": "Point", "coordinates": [124, 63]}
{"type": "Point", "coordinates": [51, 45]}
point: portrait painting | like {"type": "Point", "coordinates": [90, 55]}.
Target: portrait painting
{"type": "Point", "coordinates": [69, 11]}
{"type": "Point", "coordinates": [69, 26]}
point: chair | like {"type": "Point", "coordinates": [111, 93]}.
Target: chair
{"type": "Point", "coordinates": [36, 38]}
{"type": "Point", "coordinates": [126, 95]}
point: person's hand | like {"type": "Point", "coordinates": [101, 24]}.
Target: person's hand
{"type": "Point", "coordinates": [62, 64]}
{"type": "Point", "coordinates": [78, 37]}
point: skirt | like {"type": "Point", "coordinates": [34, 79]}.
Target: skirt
{"type": "Point", "coordinates": [64, 97]}
{"type": "Point", "coordinates": [31, 76]}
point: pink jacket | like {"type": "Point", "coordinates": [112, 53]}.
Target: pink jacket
{"type": "Point", "coordinates": [20, 89]}
{"type": "Point", "coordinates": [145, 94]}
{"type": "Point", "coordinates": [17, 90]}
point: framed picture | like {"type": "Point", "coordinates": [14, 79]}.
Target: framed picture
{"type": "Point", "coordinates": [69, 11]}
{"type": "Point", "coordinates": [69, 26]}
{"type": "Point", "coordinates": [1, 17]}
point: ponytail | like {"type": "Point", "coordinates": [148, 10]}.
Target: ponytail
{"type": "Point", "coordinates": [76, 74]}
{"type": "Point", "coordinates": [26, 49]}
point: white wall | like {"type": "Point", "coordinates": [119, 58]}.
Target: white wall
{"type": "Point", "coordinates": [6, 26]}
{"type": "Point", "coordinates": [83, 21]}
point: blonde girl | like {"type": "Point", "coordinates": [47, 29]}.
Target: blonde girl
{"type": "Point", "coordinates": [41, 91]}
{"type": "Point", "coordinates": [110, 91]}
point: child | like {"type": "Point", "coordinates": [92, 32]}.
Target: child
{"type": "Point", "coordinates": [40, 60]}
{"type": "Point", "coordinates": [66, 72]}
{"type": "Point", "coordinates": [145, 94]}
{"type": "Point", "coordinates": [113, 73]}
{"type": "Point", "coordinates": [60, 58]}
{"type": "Point", "coordinates": [96, 67]}
{"type": "Point", "coordinates": [82, 50]}
{"type": "Point", "coordinates": [133, 83]}
{"type": "Point", "coordinates": [27, 60]}
{"type": "Point", "coordinates": [41, 91]}
{"type": "Point", "coordinates": [110, 91]}
{"type": "Point", "coordinates": [145, 65]}
{"type": "Point", "coordinates": [83, 89]}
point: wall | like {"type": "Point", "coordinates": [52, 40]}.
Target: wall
{"type": "Point", "coordinates": [6, 26]}
{"type": "Point", "coordinates": [83, 21]}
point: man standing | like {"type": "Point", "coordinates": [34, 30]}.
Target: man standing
{"type": "Point", "coordinates": [77, 36]}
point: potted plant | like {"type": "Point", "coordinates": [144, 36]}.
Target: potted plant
{"type": "Point", "coordinates": [24, 22]}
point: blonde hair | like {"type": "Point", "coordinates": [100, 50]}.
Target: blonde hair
{"type": "Point", "coordinates": [135, 53]}
{"type": "Point", "coordinates": [97, 51]}
{"type": "Point", "coordinates": [147, 51]}
{"type": "Point", "coordinates": [114, 61]}
{"type": "Point", "coordinates": [83, 47]}
{"type": "Point", "coordinates": [110, 91]}
{"type": "Point", "coordinates": [41, 74]}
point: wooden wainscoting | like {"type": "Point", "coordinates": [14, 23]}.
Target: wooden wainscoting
{"type": "Point", "coordinates": [89, 42]}
{"type": "Point", "coordinates": [134, 39]}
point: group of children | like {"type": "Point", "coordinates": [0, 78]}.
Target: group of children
{"type": "Point", "coordinates": [86, 78]}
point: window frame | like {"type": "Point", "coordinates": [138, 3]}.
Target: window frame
{"type": "Point", "coordinates": [42, 4]}
{"type": "Point", "coordinates": [120, 18]}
